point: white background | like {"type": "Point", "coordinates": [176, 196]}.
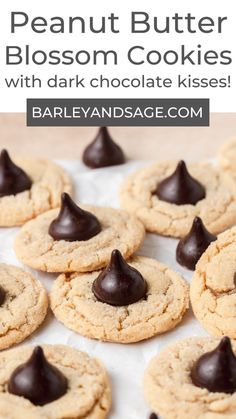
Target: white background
{"type": "Point", "coordinates": [222, 100]}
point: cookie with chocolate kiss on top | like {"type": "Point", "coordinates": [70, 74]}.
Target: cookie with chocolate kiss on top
{"type": "Point", "coordinates": [193, 378]}
{"type": "Point", "coordinates": [29, 187]}
{"type": "Point", "coordinates": [168, 195]}
{"type": "Point", "coordinates": [128, 301]}
{"type": "Point", "coordinates": [77, 238]}
{"type": "Point", "coordinates": [52, 381]}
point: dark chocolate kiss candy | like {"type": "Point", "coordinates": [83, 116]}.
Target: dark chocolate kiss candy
{"type": "Point", "coordinates": [191, 247]}
{"type": "Point", "coordinates": [2, 295]}
{"type": "Point", "coordinates": [12, 178]}
{"type": "Point", "coordinates": [73, 223]}
{"type": "Point", "coordinates": [216, 370]}
{"type": "Point", "coordinates": [37, 380]}
{"type": "Point", "coordinates": [103, 151]}
{"type": "Point", "coordinates": [153, 416]}
{"type": "Point", "coordinates": [180, 188]}
{"type": "Point", "coordinates": [119, 284]}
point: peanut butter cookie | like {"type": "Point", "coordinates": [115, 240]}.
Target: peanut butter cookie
{"type": "Point", "coordinates": [217, 209]}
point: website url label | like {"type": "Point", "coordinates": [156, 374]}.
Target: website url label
{"type": "Point", "coordinates": [120, 112]}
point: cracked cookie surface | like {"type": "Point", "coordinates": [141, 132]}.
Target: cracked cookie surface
{"type": "Point", "coordinates": [213, 286]}
{"type": "Point", "coordinates": [169, 389]}
{"type": "Point", "coordinates": [75, 305]}
{"type": "Point", "coordinates": [88, 395]}
{"type": "Point", "coordinates": [48, 182]}
{"type": "Point", "coordinates": [36, 248]}
{"type": "Point", "coordinates": [25, 305]}
{"type": "Point", "coordinates": [217, 209]}
{"type": "Point", "coordinates": [227, 156]}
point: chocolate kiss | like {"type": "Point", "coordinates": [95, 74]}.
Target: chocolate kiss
{"type": "Point", "coordinates": [216, 370]}
{"type": "Point", "coordinates": [119, 284]}
{"type": "Point", "coordinates": [153, 416]}
{"type": "Point", "coordinates": [191, 247]}
{"type": "Point", "coordinates": [73, 223]}
{"type": "Point", "coordinates": [103, 151]}
{"type": "Point", "coordinates": [2, 295]}
{"type": "Point", "coordinates": [12, 178]}
{"type": "Point", "coordinates": [180, 188]}
{"type": "Point", "coordinates": [37, 380]}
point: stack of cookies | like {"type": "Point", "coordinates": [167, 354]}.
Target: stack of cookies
{"type": "Point", "coordinates": [103, 290]}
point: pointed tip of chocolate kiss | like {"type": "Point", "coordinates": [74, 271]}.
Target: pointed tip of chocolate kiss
{"type": "Point", "coordinates": [180, 188]}
{"type": "Point", "coordinates": [73, 223]}
{"type": "Point", "coordinates": [182, 170]}
{"type": "Point", "coordinates": [103, 151]}
{"type": "Point", "coordinates": [4, 153]}
{"type": "Point", "coordinates": [38, 354]}
{"type": "Point", "coordinates": [65, 197]}
{"type": "Point", "coordinates": [153, 416]}
{"type": "Point", "coordinates": [104, 130]}
{"type": "Point", "coordinates": [193, 245]}
{"type": "Point", "coordinates": [2, 295]}
{"type": "Point", "coordinates": [116, 258]}
{"type": "Point", "coordinates": [38, 350]}
{"type": "Point", "coordinates": [197, 222]}
{"type": "Point", "coordinates": [182, 165]}
{"type": "Point", "coordinates": [67, 201]}
{"type": "Point", "coordinates": [216, 370]}
{"type": "Point", "coordinates": [119, 284]}
{"type": "Point", "coordinates": [37, 380]}
{"type": "Point", "coordinates": [225, 344]}
{"type": "Point", "coordinates": [6, 161]}
{"type": "Point", "coordinates": [13, 179]}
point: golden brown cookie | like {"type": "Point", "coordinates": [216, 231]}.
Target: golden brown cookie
{"type": "Point", "coordinates": [88, 395]}
{"type": "Point", "coordinates": [48, 182]}
{"type": "Point", "coordinates": [170, 391]}
{"type": "Point", "coordinates": [213, 286]}
{"type": "Point", "coordinates": [167, 299]}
